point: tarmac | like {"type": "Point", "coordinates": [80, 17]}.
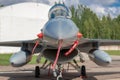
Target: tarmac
{"type": "Point", "coordinates": [94, 72]}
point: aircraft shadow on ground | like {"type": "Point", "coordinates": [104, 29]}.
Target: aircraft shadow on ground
{"type": "Point", "coordinates": [66, 76]}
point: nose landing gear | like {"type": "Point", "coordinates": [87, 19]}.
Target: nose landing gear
{"type": "Point", "coordinates": [58, 73]}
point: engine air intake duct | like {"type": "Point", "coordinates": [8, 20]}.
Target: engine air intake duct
{"type": "Point", "coordinates": [50, 54]}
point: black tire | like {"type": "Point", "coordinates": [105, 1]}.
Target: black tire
{"type": "Point", "coordinates": [60, 78]}
{"type": "Point", "coordinates": [83, 71]}
{"type": "Point", "coordinates": [37, 72]}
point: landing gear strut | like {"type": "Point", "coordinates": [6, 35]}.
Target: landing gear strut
{"type": "Point", "coordinates": [81, 69]}
{"type": "Point", "coordinates": [58, 74]}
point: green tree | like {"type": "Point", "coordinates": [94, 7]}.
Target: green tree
{"type": "Point", "coordinates": [91, 26]}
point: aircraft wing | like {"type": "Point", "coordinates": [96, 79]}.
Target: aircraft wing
{"type": "Point", "coordinates": [104, 42]}
{"type": "Point", "coordinates": [87, 44]}
{"type": "Point", "coordinates": [29, 44]}
{"type": "Point", "coordinates": [17, 43]}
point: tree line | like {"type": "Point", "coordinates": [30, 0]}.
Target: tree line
{"type": "Point", "coordinates": [92, 26]}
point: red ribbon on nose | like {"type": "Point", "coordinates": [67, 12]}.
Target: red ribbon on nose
{"type": "Point", "coordinates": [72, 48]}
{"type": "Point", "coordinates": [40, 35]}
{"type": "Point", "coordinates": [58, 53]}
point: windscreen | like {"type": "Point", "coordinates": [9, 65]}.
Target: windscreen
{"type": "Point", "coordinates": [59, 10]}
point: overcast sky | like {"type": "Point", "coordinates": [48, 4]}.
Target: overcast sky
{"type": "Point", "coordinates": [101, 7]}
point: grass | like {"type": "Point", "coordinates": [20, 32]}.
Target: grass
{"type": "Point", "coordinates": [4, 58]}
{"type": "Point", "coordinates": [114, 52]}
{"type": "Point", "coordinates": [33, 61]}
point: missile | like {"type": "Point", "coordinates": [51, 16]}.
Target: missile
{"type": "Point", "coordinates": [20, 58]}
{"type": "Point", "coordinates": [100, 57]}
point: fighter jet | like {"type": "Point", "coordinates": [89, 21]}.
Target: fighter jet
{"type": "Point", "coordinates": [60, 42]}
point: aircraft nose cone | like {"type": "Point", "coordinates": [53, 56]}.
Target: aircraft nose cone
{"type": "Point", "coordinates": [60, 28]}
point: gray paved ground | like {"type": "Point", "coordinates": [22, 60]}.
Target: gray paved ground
{"type": "Point", "coordinates": [94, 72]}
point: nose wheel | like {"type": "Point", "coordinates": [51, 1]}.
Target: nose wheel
{"type": "Point", "coordinates": [59, 78]}
{"type": "Point", "coordinates": [37, 72]}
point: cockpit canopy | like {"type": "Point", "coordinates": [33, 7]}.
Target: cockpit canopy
{"type": "Point", "coordinates": [59, 10]}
